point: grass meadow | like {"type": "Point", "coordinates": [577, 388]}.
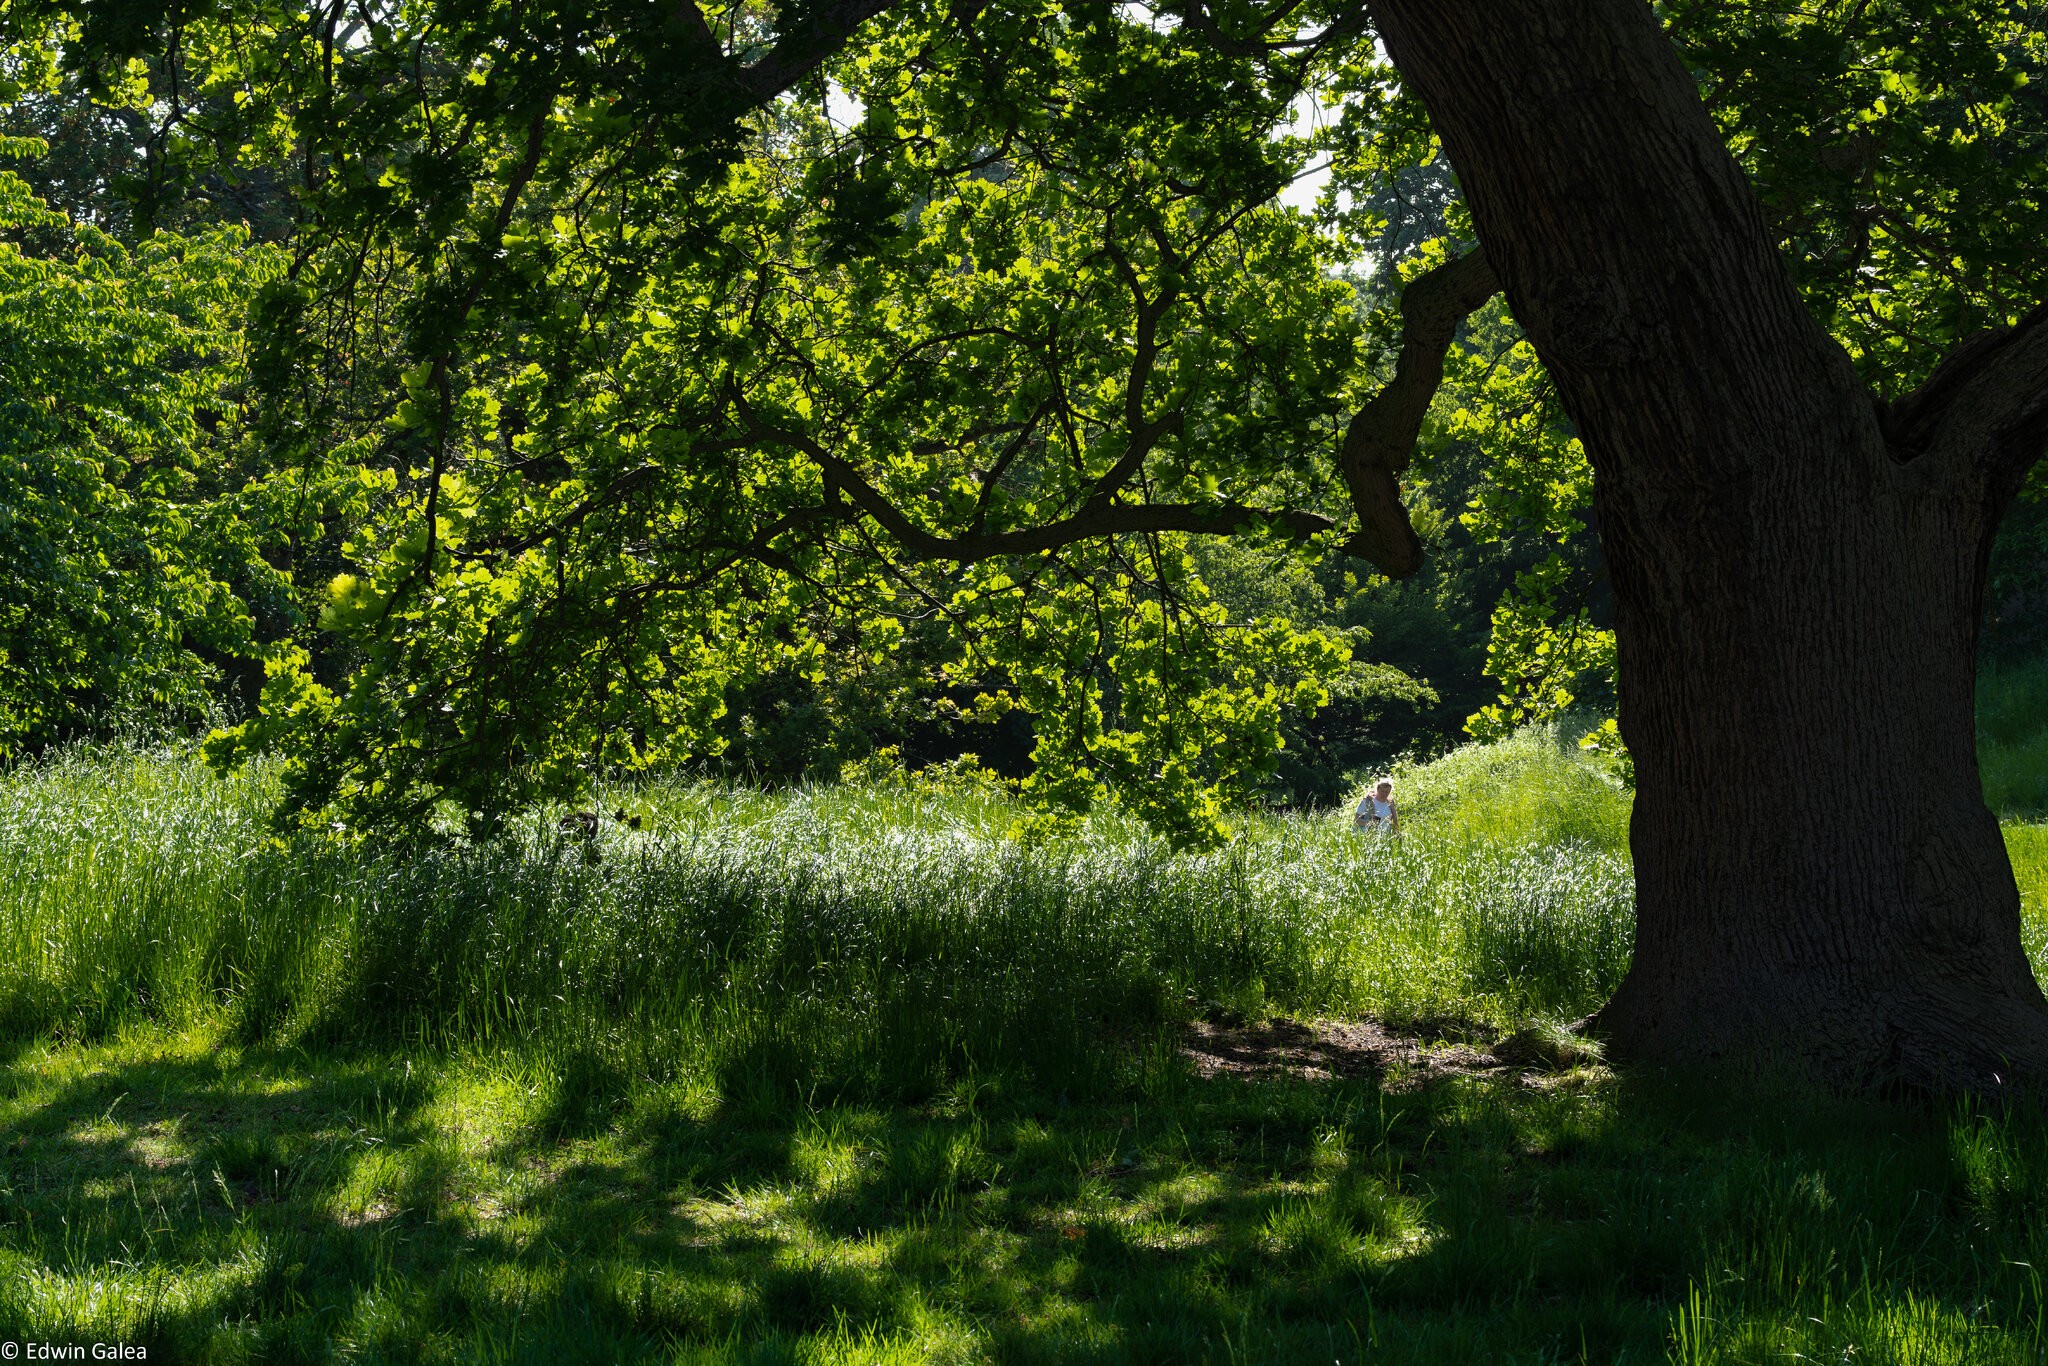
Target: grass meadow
{"type": "Point", "coordinates": [858, 1074]}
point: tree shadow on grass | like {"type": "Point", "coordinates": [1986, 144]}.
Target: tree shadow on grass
{"type": "Point", "coordinates": [123, 1177]}
{"type": "Point", "coordinates": [291, 1206]}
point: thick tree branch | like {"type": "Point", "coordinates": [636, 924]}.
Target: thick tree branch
{"type": "Point", "coordinates": [1986, 404]}
{"type": "Point", "coordinates": [694, 23]}
{"type": "Point", "coordinates": [824, 29]}
{"type": "Point", "coordinates": [843, 480]}
{"type": "Point", "coordinates": [1004, 459]}
{"type": "Point", "coordinates": [1145, 434]}
{"type": "Point", "coordinates": [1380, 439]}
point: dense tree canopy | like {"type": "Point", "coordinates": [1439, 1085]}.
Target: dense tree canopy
{"type": "Point", "coordinates": [129, 565]}
{"type": "Point", "coordinates": [626, 353]}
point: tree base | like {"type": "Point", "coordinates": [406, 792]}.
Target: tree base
{"type": "Point", "coordinates": [1937, 1036]}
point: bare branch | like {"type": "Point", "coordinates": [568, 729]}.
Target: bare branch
{"type": "Point", "coordinates": [1381, 437]}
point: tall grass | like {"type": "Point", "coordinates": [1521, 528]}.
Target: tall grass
{"type": "Point", "coordinates": [879, 937]}
{"type": "Point", "coordinates": [540, 1202]}
{"type": "Point", "coordinates": [1532, 789]}
{"type": "Point", "coordinates": [874, 936]}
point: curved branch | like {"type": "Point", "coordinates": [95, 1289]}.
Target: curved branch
{"type": "Point", "coordinates": [1986, 404]}
{"type": "Point", "coordinates": [1145, 434]}
{"type": "Point", "coordinates": [807, 45]}
{"type": "Point", "coordinates": [843, 480]}
{"type": "Point", "coordinates": [824, 29]}
{"type": "Point", "coordinates": [1376, 449]}
{"type": "Point", "coordinates": [1380, 439]}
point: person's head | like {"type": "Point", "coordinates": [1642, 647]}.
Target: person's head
{"type": "Point", "coordinates": [1384, 789]}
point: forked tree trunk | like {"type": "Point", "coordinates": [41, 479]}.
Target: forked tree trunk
{"type": "Point", "coordinates": [1797, 569]}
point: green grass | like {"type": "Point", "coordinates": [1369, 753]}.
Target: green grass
{"type": "Point", "coordinates": [854, 1075]}
{"type": "Point", "coordinates": [224, 1204]}
{"type": "Point", "coordinates": [1532, 790]}
{"type": "Point", "coordinates": [878, 939]}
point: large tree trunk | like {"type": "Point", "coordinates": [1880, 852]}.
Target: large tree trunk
{"type": "Point", "coordinates": [1797, 569]}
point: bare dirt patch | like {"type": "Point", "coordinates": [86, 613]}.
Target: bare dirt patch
{"type": "Point", "coordinates": [1283, 1047]}
{"type": "Point", "coordinates": [376, 1212]}
{"type": "Point", "coordinates": [1317, 1052]}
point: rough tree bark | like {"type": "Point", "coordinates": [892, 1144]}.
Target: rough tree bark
{"type": "Point", "coordinates": [1797, 568]}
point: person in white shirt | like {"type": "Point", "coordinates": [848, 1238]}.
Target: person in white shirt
{"type": "Point", "coordinates": [1376, 814]}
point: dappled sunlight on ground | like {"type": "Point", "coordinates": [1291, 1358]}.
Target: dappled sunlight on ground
{"type": "Point", "coordinates": [244, 1204]}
